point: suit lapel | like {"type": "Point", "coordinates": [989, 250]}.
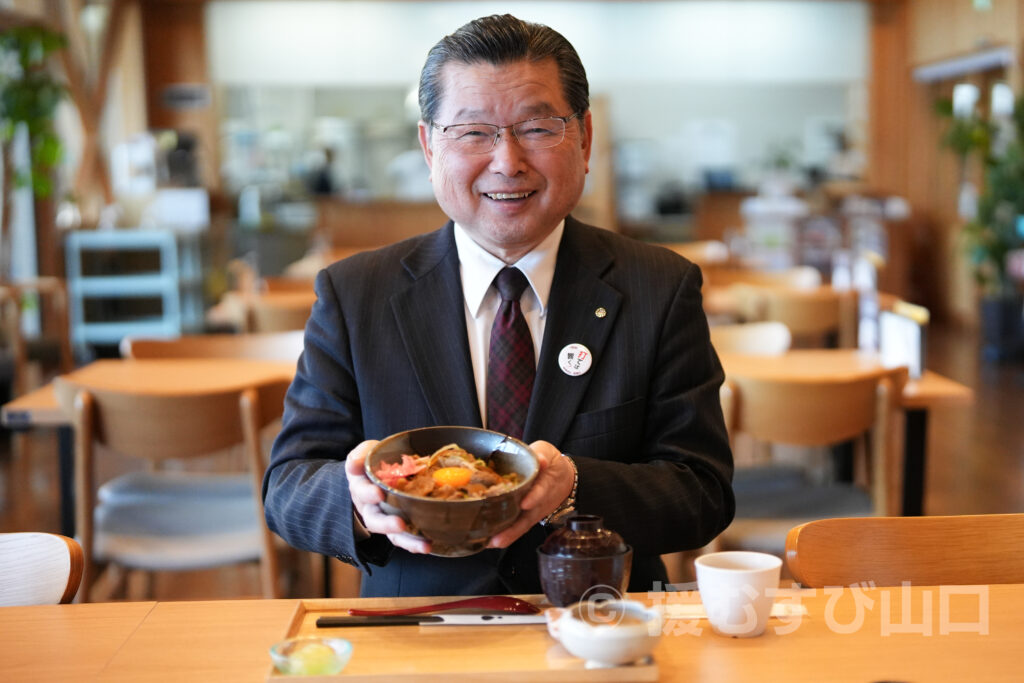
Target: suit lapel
{"type": "Point", "coordinates": [577, 294]}
{"type": "Point", "coordinates": [431, 320]}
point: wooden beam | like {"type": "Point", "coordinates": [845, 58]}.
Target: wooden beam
{"type": "Point", "coordinates": [111, 49]}
{"type": "Point", "coordinates": [889, 83]}
{"type": "Point", "coordinates": [89, 99]}
{"type": "Point", "coordinates": [12, 19]}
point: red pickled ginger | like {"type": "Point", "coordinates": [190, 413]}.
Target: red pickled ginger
{"type": "Point", "coordinates": [389, 473]}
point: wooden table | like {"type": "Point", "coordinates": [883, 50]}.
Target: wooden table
{"type": "Point", "coordinates": [65, 642]}
{"type": "Point", "coordinates": [919, 396]}
{"type": "Point", "coordinates": [39, 408]}
{"type": "Point", "coordinates": [965, 634]}
{"type": "Point", "coordinates": [182, 375]}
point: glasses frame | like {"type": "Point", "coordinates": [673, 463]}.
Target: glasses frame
{"type": "Point", "coordinates": [512, 126]}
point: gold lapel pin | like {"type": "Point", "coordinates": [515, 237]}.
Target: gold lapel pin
{"type": "Point", "coordinates": [600, 312]}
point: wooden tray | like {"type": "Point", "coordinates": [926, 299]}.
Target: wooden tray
{"type": "Point", "coordinates": [451, 653]}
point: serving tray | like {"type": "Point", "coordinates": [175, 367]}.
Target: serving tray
{"type": "Point", "coordinates": [450, 653]}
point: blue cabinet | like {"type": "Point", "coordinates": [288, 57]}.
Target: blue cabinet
{"type": "Point", "coordinates": [141, 283]}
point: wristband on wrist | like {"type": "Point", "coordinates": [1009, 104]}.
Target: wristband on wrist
{"type": "Point", "coordinates": [568, 506]}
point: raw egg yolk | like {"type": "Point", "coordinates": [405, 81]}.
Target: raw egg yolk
{"type": "Point", "coordinates": [455, 477]}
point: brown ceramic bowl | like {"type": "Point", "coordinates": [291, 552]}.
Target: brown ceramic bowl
{"type": "Point", "coordinates": [456, 528]}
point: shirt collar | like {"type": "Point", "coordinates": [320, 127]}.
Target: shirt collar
{"type": "Point", "coordinates": [479, 267]}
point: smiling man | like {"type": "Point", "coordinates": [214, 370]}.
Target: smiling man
{"type": "Point", "coordinates": [591, 347]}
{"type": "Point", "coordinates": [508, 187]}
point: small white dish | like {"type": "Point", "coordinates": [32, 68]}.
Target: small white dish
{"type": "Point", "coordinates": [609, 633]}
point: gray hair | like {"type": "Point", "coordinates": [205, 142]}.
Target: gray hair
{"type": "Point", "coordinates": [503, 39]}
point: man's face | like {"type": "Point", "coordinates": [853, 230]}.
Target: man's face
{"type": "Point", "coordinates": [541, 186]}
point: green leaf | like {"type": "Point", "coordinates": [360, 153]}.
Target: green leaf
{"type": "Point", "coordinates": [943, 106]}
{"type": "Point", "coordinates": [32, 97]}
{"type": "Point", "coordinates": [42, 185]}
{"type": "Point", "coordinates": [46, 149]}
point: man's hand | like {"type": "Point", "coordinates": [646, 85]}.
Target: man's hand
{"type": "Point", "coordinates": [366, 499]}
{"type": "Point", "coordinates": [552, 486]}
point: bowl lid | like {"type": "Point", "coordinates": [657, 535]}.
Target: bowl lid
{"type": "Point", "coordinates": [583, 536]}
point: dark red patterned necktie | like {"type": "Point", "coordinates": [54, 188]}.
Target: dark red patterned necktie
{"type": "Point", "coordinates": [510, 366]}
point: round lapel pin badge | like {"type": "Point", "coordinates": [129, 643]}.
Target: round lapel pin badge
{"type": "Point", "coordinates": [575, 359]}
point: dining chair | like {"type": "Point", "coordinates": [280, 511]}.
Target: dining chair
{"type": "Point", "coordinates": [39, 568]}
{"type": "Point", "coordinates": [279, 311]}
{"type": "Point", "coordinates": [165, 519]}
{"type": "Point", "coordinates": [26, 362]}
{"type": "Point", "coordinates": [772, 498]}
{"type": "Point", "coordinates": [723, 304]}
{"type": "Point", "coordinates": [54, 350]}
{"type": "Point", "coordinates": [704, 253]}
{"type": "Point", "coordinates": [317, 259]}
{"type": "Point", "coordinates": [768, 338]}
{"type": "Point", "coordinates": [888, 551]}
{"type": "Point", "coordinates": [284, 346]}
{"type": "Point", "coordinates": [279, 283]}
{"type": "Point", "coordinates": [818, 316]}
{"type": "Point", "coordinates": [801, 277]}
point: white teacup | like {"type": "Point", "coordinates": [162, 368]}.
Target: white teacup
{"type": "Point", "coordinates": [606, 634]}
{"type": "Point", "coordinates": [734, 587]}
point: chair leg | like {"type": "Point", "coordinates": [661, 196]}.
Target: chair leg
{"type": "Point", "coordinates": [92, 577]}
{"type": "Point", "coordinates": [120, 587]}
{"type": "Point", "coordinates": [679, 566]}
{"type": "Point", "coordinates": [146, 581]}
{"type": "Point", "coordinates": [100, 582]}
{"type": "Point", "coordinates": [345, 580]}
{"type": "Point", "coordinates": [19, 481]}
{"type": "Point", "coordinates": [115, 583]}
{"type": "Point", "coordinates": [317, 573]}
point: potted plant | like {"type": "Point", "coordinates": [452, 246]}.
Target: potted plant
{"type": "Point", "coordinates": [29, 95]}
{"type": "Point", "coordinates": [995, 225]}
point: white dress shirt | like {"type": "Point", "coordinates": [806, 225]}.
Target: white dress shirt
{"type": "Point", "coordinates": [478, 268]}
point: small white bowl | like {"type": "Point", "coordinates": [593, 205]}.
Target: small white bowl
{"type": "Point", "coordinates": [609, 633]}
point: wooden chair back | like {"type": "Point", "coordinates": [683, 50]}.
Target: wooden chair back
{"type": "Point", "coordinates": [278, 283]}
{"type": "Point", "coordinates": [822, 412]}
{"type": "Point", "coordinates": [280, 311]}
{"type": "Point", "coordinates": [887, 551]}
{"type": "Point", "coordinates": [166, 426]}
{"type": "Point", "coordinates": [723, 275]}
{"type": "Point", "coordinates": [762, 338]}
{"type": "Point", "coordinates": [705, 253]}
{"type": "Point", "coordinates": [284, 346]}
{"type": "Point", "coordinates": [812, 315]}
{"type": "Point", "coordinates": [51, 289]}
{"type": "Point", "coordinates": [39, 568]}
{"type": "Point", "coordinates": [307, 267]}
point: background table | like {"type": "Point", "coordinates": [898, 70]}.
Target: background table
{"type": "Point", "coordinates": [919, 396]}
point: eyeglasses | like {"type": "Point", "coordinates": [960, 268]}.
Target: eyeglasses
{"type": "Point", "coordinates": [480, 138]}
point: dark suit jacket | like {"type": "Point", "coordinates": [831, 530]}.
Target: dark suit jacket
{"type": "Point", "coordinates": [386, 350]}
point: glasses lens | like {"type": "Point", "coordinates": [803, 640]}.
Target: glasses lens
{"type": "Point", "coordinates": [479, 138]}
{"type": "Point", "coordinates": [471, 138]}
{"type": "Point", "coordinates": [540, 133]}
